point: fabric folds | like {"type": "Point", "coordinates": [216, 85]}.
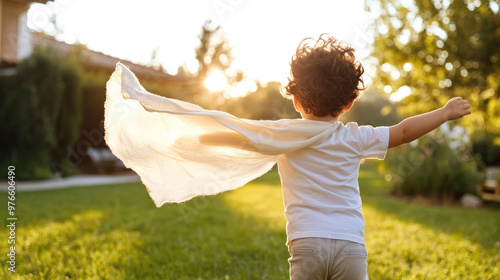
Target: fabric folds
{"type": "Point", "coordinates": [181, 150]}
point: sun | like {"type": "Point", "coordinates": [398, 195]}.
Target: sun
{"type": "Point", "coordinates": [216, 81]}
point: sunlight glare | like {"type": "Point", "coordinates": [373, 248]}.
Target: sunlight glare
{"type": "Point", "coordinates": [399, 95]}
{"type": "Point", "coordinates": [216, 81]}
{"type": "Point", "coordinates": [241, 89]}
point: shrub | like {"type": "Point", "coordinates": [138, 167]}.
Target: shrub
{"type": "Point", "coordinates": [487, 147]}
{"type": "Point", "coordinates": [439, 166]}
{"type": "Point", "coordinates": [42, 108]}
{"type": "Point", "coordinates": [94, 95]}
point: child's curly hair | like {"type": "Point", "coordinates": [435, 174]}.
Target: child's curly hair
{"type": "Point", "coordinates": [325, 76]}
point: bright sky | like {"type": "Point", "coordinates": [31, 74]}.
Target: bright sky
{"type": "Point", "coordinates": [263, 34]}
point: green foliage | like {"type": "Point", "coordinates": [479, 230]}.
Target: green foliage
{"type": "Point", "coordinates": [440, 49]}
{"type": "Point", "coordinates": [69, 120]}
{"type": "Point", "coordinates": [266, 103]}
{"type": "Point", "coordinates": [372, 108]}
{"type": "Point", "coordinates": [437, 166]}
{"type": "Point", "coordinates": [487, 147]}
{"type": "Point", "coordinates": [93, 97]}
{"type": "Point", "coordinates": [116, 232]}
{"type": "Point", "coordinates": [46, 95]}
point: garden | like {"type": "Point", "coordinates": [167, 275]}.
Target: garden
{"type": "Point", "coordinates": [116, 232]}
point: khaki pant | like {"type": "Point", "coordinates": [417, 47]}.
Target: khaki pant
{"type": "Point", "coordinates": [327, 259]}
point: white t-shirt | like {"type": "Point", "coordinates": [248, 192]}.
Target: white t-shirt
{"type": "Point", "coordinates": [320, 183]}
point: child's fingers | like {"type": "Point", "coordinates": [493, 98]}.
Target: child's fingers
{"type": "Point", "coordinates": [460, 107]}
{"type": "Point", "coordinates": [466, 105]}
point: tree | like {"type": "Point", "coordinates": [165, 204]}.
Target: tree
{"type": "Point", "coordinates": [440, 49]}
{"type": "Point", "coordinates": [265, 103]}
{"type": "Point", "coordinates": [214, 51]}
{"type": "Point", "coordinates": [213, 54]}
{"type": "Point", "coordinates": [43, 105]}
{"type": "Point", "coordinates": [68, 122]}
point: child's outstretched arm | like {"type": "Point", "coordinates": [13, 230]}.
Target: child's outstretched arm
{"type": "Point", "coordinates": [414, 127]}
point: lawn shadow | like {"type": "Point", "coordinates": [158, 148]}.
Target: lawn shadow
{"type": "Point", "coordinates": [480, 226]}
{"type": "Point", "coordinates": [116, 232]}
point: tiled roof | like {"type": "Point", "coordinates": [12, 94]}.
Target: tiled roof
{"type": "Point", "coordinates": [93, 59]}
{"type": "Point", "coordinates": [32, 1]}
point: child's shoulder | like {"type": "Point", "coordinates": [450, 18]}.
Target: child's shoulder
{"type": "Point", "coordinates": [356, 126]}
{"type": "Point", "coordinates": [353, 129]}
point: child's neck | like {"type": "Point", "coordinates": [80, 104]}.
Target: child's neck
{"type": "Point", "coordinates": [323, 119]}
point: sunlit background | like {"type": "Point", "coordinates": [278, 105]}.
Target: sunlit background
{"type": "Point", "coordinates": [233, 55]}
{"type": "Point", "coordinates": [263, 35]}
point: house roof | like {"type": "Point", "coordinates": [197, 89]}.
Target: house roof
{"type": "Point", "coordinates": [97, 60]}
{"type": "Point", "coordinates": [31, 1]}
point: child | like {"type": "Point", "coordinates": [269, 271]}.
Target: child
{"type": "Point", "coordinates": [325, 227]}
{"type": "Point", "coordinates": [181, 151]}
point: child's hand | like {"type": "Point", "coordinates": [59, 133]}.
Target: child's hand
{"type": "Point", "coordinates": [455, 108]}
{"type": "Point", "coordinates": [417, 126]}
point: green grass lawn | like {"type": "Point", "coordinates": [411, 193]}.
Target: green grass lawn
{"type": "Point", "coordinates": [116, 232]}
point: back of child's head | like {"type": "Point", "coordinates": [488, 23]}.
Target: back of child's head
{"type": "Point", "coordinates": [325, 76]}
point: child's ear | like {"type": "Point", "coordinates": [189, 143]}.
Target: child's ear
{"type": "Point", "coordinates": [296, 104]}
{"type": "Point", "coordinates": [347, 107]}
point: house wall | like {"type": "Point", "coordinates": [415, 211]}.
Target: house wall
{"type": "Point", "coordinates": [1, 18]}
{"type": "Point", "coordinates": [10, 14]}
{"type": "Point", "coordinates": [24, 45]}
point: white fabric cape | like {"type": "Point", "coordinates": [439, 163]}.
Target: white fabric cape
{"type": "Point", "coordinates": [181, 150]}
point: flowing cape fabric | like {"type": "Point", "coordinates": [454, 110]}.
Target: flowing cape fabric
{"type": "Point", "coordinates": [181, 150]}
